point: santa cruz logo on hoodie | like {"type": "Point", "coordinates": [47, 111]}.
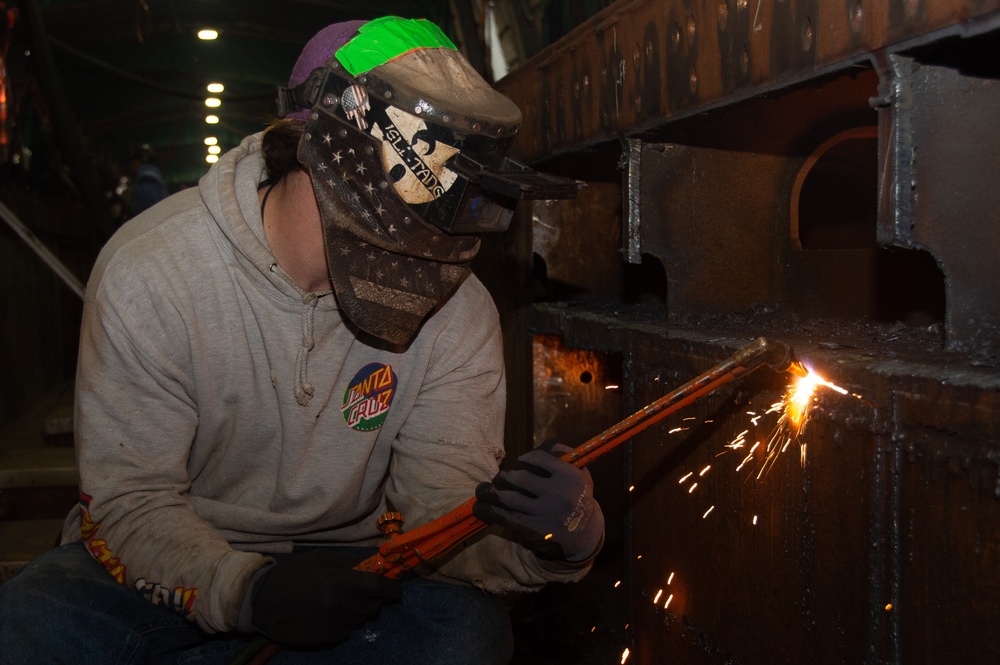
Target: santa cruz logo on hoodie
{"type": "Point", "coordinates": [368, 397]}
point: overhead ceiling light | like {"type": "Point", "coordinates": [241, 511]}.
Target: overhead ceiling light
{"type": "Point", "coordinates": [213, 102]}
{"type": "Point", "coordinates": [211, 159]}
{"type": "Point", "coordinates": [212, 119]}
{"type": "Point", "coordinates": [208, 34]}
{"type": "Point", "coordinates": [211, 140]}
{"type": "Point", "coordinates": [214, 150]}
{"type": "Point", "coordinates": [215, 88]}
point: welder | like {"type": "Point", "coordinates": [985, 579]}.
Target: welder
{"type": "Point", "coordinates": [271, 360]}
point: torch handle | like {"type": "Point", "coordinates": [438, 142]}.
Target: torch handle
{"type": "Point", "coordinates": [759, 352]}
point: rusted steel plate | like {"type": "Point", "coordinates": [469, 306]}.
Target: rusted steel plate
{"type": "Point", "coordinates": [942, 150]}
{"type": "Point", "coordinates": [752, 560]}
{"type": "Point", "coordinates": [577, 395]}
{"type": "Point", "coordinates": [881, 548]}
{"type": "Point", "coordinates": [718, 211]}
{"type": "Point", "coordinates": [943, 433]}
{"type": "Point", "coordinates": [578, 241]}
{"type": "Point", "coordinates": [639, 63]}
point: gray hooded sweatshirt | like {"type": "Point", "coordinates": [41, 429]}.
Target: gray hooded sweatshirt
{"type": "Point", "coordinates": [223, 414]}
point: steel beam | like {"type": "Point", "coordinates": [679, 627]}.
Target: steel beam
{"type": "Point", "coordinates": [640, 63]}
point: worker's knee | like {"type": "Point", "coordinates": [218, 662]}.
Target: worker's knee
{"type": "Point", "coordinates": [27, 600]}
{"type": "Point", "coordinates": [64, 602]}
{"type": "Point", "coordinates": [33, 607]}
{"type": "Point", "coordinates": [435, 624]}
{"type": "Point", "coordinates": [472, 626]}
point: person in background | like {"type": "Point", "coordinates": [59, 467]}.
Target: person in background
{"type": "Point", "coordinates": [147, 187]}
{"type": "Point", "coordinates": [271, 360]}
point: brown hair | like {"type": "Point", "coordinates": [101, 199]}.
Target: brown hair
{"type": "Point", "coordinates": [280, 144]}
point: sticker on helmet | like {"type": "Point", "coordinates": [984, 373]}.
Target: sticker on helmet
{"type": "Point", "coordinates": [368, 397]}
{"type": "Point", "coordinates": [355, 103]}
{"type": "Point", "coordinates": [414, 162]}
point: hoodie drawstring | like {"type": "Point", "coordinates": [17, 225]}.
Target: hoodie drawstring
{"type": "Point", "coordinates": [304, 389]}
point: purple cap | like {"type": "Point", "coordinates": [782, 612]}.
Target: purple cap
{"type": "Point", "coordinates": [317, 52]}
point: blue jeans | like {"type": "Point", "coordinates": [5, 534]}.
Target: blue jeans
{"type": "Point", "coordinates": [63, 607]}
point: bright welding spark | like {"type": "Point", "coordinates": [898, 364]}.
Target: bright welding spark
{"type": "Point", "coordinates": [618, 583]}
{"type": "Point", "coordinates": [739, 441]}
{"type": "Point", "coordinates": [667, 604]}
{"type": "Point", "coordinates": [670, 579]}
{"type": "Point", "coordinates": [631, 488]}
{"type": "Point", "coordinates": [689, 418]}
{"type": "Point", "coordinates": [656, 599]}
{"type": "Point", "coordinates": [625, 655]}
{"type": "Point", "coordinates": [794, 409]}
{"type": "Point", "coordinates": [678, 429]}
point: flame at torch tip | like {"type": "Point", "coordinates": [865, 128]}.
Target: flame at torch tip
{"type": "Point", "coordinates": [798, 369]}
{"type": "Point", "coordinates": [800, 397]}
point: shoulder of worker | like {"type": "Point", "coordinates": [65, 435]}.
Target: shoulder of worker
{"type": "Point", "coordinates": [468, 317]}
{"type": "Point", "coordinates": [147, 240]}
{"type": "Point", "coordinates": [179, 241]}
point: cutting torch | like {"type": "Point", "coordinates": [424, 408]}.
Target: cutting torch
{"type": "Point", "coordinates": [401, 551]}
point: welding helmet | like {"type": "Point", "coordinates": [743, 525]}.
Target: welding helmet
{"type": "Point", "coordinates": [406, 147]}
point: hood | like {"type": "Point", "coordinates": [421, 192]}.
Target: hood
{"type": "Point", "coordinates": [229, 191]}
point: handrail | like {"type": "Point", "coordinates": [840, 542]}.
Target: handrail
{"type": "Point", "coordinates": [60, 269]}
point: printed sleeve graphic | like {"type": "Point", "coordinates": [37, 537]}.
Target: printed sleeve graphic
{"type": "Point", "coordinates": [179, 599]}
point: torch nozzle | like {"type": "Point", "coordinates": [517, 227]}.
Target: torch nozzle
{"type": "Point", "coordinates": [778, 356]}
{"type": "Point", "coordinates": [781, 358]}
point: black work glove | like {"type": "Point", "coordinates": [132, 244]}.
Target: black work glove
{"type": "Point", "coordinates": [313, 599]}
{"type": "Point", "coordinates": [547, 503]}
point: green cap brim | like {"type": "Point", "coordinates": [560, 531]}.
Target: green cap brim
{"type": "Point", "coordinates": [385, 39]}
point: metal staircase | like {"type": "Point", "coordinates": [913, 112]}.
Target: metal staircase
{"type": "Point", "coordinates": [38, 480]}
